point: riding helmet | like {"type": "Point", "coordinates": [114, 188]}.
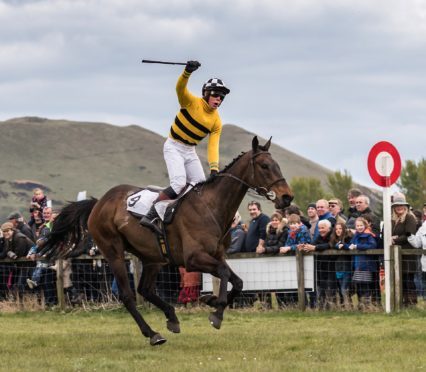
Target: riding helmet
{"type": "Point", "coordinates": [215, 84]}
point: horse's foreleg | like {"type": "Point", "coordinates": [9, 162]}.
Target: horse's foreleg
{"type": "Point", "coordinates": [118, 268]}
{"type": "Point", "coordinates": [205, 263]}
{"type": "Point", "coordinates": [146, 288]}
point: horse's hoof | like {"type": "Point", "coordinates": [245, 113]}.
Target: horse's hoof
{"type": "Point", "coordinates": [173, 327]}
{"type": "Point", "coordinates": [208, 299]}
{"type": "Point", "coordinates": [157, 339]}
{"type": "Point", "coordinates": [215, 321]}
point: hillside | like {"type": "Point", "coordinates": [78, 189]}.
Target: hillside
{"type": "Point", "coordinates": [66, 157]}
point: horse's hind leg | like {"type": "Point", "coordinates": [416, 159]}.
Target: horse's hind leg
{"type": "Point", "coordinates": [146, 288]}
{"type": "Point", "coordinates": [237, 287]}
{"type": "Point", "coordinates": [119, 270]}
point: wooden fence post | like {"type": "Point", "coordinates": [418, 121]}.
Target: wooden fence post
{"type": "Point", "coordinates": [392, 278]}
{"type": "Point", "coordinates": [398, 277]}
{"type": "Point", "coordinates": [300, 268]}
{"type": "Point", "coordinates": [60, 284]}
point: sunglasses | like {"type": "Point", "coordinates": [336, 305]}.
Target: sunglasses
{"type": "Point", "coordinates": [217, 94]}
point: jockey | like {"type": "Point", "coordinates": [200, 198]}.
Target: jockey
{"type": "Point", "coordinates": [197, 118]}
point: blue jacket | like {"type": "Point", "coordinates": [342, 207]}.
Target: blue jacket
{"type": "Point", "coordinates": [300, 236]}
{"type": "Point", "coordinates": [364, 241]}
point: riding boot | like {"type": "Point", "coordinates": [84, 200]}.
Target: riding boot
{"type": "Point", "coordinates": [149, 219]}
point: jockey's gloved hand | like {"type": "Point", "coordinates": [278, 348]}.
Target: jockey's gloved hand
{"type": "Point", "coordinates": [213, 172]}
{"type": "Point", "coordinates": [191, 66]}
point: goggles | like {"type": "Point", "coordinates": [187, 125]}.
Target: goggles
{"type": "Point", "coordinates": [216, 94]}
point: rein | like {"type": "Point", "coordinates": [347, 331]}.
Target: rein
{"type": "Point", "coordinates": [261, 190]}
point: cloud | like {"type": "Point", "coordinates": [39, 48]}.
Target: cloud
{"type": "Point", "coordinates": [326, 78]}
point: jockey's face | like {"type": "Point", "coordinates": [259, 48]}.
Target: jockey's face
{"type": "Point", "coordinates": [215, 99]}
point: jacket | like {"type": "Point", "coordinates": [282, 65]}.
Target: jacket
{"type": "Point", "coordinates": [275, 238]}
{"type": "Point", "coordinates": [300, 236]}
{"type": "Point", "coordinates": [403, 230]}
{"type": "Point", "coordinates": [19, 244]}
{"type": "Point", "coordinates": [256, 231]}
{"type": "Point", "coordinates": [237, 239]}
{"type": "Point", "coordinates": [344, 262]}
{"type": "Point", "coordinates": [363, 242]}
{"type": "Point", "coordinates": [419, 241]}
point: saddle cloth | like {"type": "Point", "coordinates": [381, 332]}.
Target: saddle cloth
{"type": "Point", "coordinates": [140, 202]}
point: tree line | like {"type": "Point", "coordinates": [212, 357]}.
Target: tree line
{"type": "Point", "coordinates": [412, 183]}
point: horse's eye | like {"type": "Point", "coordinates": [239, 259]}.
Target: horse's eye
{"type": "Point", "coordinates": [264, 166]}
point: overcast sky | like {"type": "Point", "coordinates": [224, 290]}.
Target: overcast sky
{"type": "Point", "coordinates": [326, 78]}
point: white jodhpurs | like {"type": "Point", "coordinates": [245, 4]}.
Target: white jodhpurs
{"type": "Point", "coordinates": [183, 164]}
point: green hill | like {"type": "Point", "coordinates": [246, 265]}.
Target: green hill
{"type": "Point", "coordinates": [66, 157]}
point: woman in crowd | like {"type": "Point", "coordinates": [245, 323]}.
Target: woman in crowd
{"type": "Point", "coordinates": [276, 235]}
{"type": "Point", "coordinates": [404, 224]}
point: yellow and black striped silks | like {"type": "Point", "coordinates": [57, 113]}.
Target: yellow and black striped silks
{"type": "Point", "coordinates": [195, 120]}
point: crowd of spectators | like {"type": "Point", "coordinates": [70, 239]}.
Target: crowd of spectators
{"type": "Point", "coordinates": [326, 226]}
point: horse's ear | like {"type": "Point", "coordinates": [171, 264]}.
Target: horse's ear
{"type": "Point", "coordinates": [267, 144]}
{"type": "Point", "coordinates": [255, 144]}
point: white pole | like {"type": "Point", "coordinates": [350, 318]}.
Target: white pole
{"type": "Point", "coordinates": [387, 234]}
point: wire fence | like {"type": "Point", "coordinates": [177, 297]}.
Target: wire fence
{"type": "Point", "coordinates": [319, 280]}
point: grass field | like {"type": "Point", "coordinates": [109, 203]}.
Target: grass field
{"type": "Point", "coordinates": [248, 341]}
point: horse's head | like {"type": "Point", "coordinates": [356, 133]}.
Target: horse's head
{"type": "Point", "coordinates": [266, 176]}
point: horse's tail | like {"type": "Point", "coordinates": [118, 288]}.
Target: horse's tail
{"type": "Point", "coordinates": [68, 229]}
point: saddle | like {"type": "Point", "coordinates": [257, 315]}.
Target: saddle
{"type": "Point", "coordinates": [140, 202]}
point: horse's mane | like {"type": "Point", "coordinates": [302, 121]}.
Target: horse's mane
{"type": "Point", "coordinates": [212, 179]}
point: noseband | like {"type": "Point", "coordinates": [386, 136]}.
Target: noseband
{"type": "Point", "coordinates": [261, 190]}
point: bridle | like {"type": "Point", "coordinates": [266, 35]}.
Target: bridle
{"type": "Point", "coordinates": [261, 190]}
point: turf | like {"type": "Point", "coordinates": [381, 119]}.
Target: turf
{"type": "Point", "coordinates": [247, 341]}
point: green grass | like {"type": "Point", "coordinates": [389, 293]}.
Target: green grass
{"type": "Point", "coordinates": [248, 341]}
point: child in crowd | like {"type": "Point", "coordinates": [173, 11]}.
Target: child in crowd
{"type": "Point", "coordinates": [298, 234]}
{"type": "Point", "coordinates": [38, 203]}
{"type": "Point", "coordinates": [340, 239]}
{"type": "Point", "coordinates": [276, 235]}
{"type": "Point", "coordinates": [364, 266]}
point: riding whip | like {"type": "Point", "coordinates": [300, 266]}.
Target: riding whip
{"type": "Point", "coordinates": [164, 62]}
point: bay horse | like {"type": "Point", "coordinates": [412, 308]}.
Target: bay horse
{"type": "Point", "coordinates": [196, 234]}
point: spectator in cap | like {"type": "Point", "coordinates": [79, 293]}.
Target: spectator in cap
{"type": "Point", "coordinates": [19, 224]}
{"type": "Point", "coordinates": [335, 206]}
{"type": "Point", "coordinates": [404, 224]}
